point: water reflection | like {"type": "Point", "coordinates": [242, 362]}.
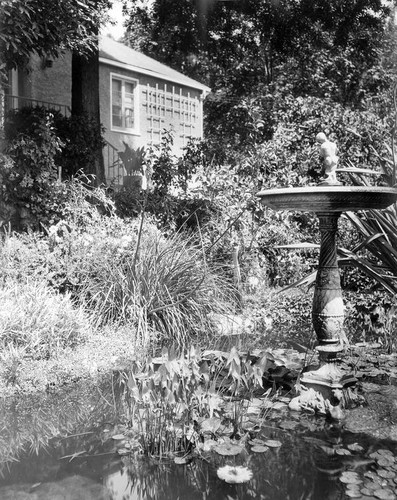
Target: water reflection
{"type": "Point", "coordinates": [29, 423]}
{"type": "Point", "coordinates": [65, 450]}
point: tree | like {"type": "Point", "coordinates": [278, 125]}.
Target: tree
{"type": "Point", "coordinates": [250, 50]}
{"type": "Point", "coordinates": [49, 29]}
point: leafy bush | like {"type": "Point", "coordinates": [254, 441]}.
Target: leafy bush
{"type": "Point", "coordinates": [372, 317]}
{"type": "Point", "coordinates": [42, 145]}
{"type": "Point", "coordinates": [120, 271]}
{"type": "Point", "coordinates": [39, 320]}
{"type": "Point", "coordinates": [27, 181]}
{"type": "Point", "coordinates": [164, 282]}
{"type": "Point", "coordinates": [81, 142]}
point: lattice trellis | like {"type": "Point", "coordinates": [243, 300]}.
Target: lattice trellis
{"type": "Point", "coordinates": [167, 105]}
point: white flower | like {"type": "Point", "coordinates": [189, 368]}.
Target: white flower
{"type": "Point", "coordinates": [234, 474]}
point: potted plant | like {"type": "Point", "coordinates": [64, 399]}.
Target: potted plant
{"type": "Point", "coordinates": [133, 163]}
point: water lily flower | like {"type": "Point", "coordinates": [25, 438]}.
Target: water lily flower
{"type": "Point", "coordinates": [234, 474]}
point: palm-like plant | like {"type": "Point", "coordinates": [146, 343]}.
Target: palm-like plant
{"type": "Point", "coordinates": [378, 228]}
{"type": "Point", "coordinates": [376, 255]}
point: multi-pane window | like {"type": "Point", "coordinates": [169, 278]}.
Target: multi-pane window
{"type": "Point", "coordinates": [124, 104]}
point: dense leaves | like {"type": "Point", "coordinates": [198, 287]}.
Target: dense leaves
{"type": "Point", "coordinates": [34, 26]}
{"type": "Point", "coordinates": [254, 53]}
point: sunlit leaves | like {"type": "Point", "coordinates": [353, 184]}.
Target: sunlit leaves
{"type": "Point", "coordinates": [34, 26]}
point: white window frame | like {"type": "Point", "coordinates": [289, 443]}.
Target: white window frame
{"type": "Point", "coordinates": [133, 130]}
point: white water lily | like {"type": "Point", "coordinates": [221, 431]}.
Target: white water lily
{"type": "Point", "coordinates": [234, 474]}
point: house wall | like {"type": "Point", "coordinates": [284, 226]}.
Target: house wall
{"type": "Point", "coordinates": [162, 105]}
{"type": "Point", "coordinates": [48, 84]}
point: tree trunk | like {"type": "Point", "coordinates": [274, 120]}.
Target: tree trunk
{"type": "Point", "coordinates": [85, 100]}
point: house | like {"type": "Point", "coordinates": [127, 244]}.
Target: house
{"type": "Point", "coordinates": [140, 98]}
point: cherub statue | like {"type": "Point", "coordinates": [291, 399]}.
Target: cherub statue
{"type": "Point", "coordinates": [328, 152]}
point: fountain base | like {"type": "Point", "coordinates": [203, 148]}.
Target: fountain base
{"type": "Point", "coordinates": [328, 389]}
{"type": "Point", "coordinates": [328, 380]}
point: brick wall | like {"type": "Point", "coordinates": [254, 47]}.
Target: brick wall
{"type": "Point", "coordinates": [51, 84]}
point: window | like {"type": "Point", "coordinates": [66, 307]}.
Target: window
{"type": "Point", "coordinates": [124, 104]}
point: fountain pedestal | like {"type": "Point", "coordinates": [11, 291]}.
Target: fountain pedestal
{"type": "Point", "coordinates": [328, 202]}
{"type": "Point", "coordinates": [328, 315]}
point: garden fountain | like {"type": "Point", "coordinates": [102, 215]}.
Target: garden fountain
{"type": "Point", "coordinates": [329, 199]}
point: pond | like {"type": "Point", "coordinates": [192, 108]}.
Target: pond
{"type": "Point", "coordinates": [74, 445]}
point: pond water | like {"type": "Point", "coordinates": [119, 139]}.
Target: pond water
{"type": "Point", "coordinates": [62, 446]}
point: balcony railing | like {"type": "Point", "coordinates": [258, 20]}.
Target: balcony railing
{"type": "Point", "coordinates": [9, 102]}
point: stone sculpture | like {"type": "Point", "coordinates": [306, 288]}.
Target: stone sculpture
{"type": "Point", "coordinates": [328, 153]}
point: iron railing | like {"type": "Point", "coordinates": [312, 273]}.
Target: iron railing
{"type": "Point", "coordinates": [114, 169]}
{"type": "Point", "coordinates": [18, 102]}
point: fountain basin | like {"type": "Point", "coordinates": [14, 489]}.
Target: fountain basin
{"type": "Point", "coordinates": [328, 198]}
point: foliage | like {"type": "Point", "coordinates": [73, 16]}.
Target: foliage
{"type": "Point", "coordinates": [120, 271]}
{"type": "Point", "coordinates": [81, 140]}
{"type": "Point", "coordinates": [42, 144]}
{"type": "Point", "coordinates": [38, 320]}
{"type": "Point", "coordinates": [168, 198]}
{"type": "Point", "coordinates": [165, 283]}
{"type": "Point", "coordinates": [375, 255]}
{"type": "Point", "coordinates": [34, 26]}
{"type": "Point", "coordinates": [372, 318]}
{"type": "Point", "coordinates": [174, 401]}
{"type": "Point", "coordinates": [132, 159]}
{"type": "Point", "coordinates": [253, 53]}
{"type": "Point", "coordinates": [29, 180]}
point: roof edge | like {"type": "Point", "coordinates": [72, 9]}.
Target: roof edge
{"type": "Point", "coordinates": [131, 67]}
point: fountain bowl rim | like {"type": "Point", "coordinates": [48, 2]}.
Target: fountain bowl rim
{"type": "Point", "coordinates": [329, 198]}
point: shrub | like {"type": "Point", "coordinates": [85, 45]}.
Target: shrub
{"type": "Point", "coordinates": [42, 145]}
{"type": "Point", "coordinates": [27, 181]}
{"type": "Point", "coordinates": [372, 317]}
{"type": "Point", "coordinates": [81, 140]}
{"type": "Point", "coordinates": [165, 282]}
{"type": "Point", "coordinates": [39, 320]}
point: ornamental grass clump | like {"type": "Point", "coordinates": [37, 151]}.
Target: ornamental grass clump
{"type": "Point", "coordinates": [165, 283]}
{"type": "Point", "coordinates": [39, 321]}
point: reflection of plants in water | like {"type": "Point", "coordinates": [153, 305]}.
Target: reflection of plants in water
{"type": "Point", "coordinates": [29, 423]}
{"type": "Point", "coordinates": [173, 401]}
{"type": "Point", "coordinates": [284, 473]}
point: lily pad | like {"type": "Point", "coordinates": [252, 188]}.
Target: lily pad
{"type": "Point", "coordinates": [342, 451]}
{"type": "Point", "coordinates": [353, 494]}
{"type": "Point", "coordinates": [182, 460]}
{"type": "Point", "coordinates": [210, 425]}
{"type": "Point", "coordinates": [384, 494]}
{"type": "Point", "coordinates": [366, 492]}
{"type": "Point", "coordinates": [228, 449]}
{"type": "Point", "coordinates": [386, 474]}
{"type": "Point", "coordinates": [384, 462]}
{"type": "Point", "coordinates": [273, 443]}
{"type": "Point", "coordinates": [355, 447]}
{"type": "Point", "coordinates": [118, 437]}
{"type": "Point", "coordinates": [256, 441]}
{"type": "Point", "coordinates": [385, 452]}
{"type": "Point", "coordinates": [288, 425]}
{"type": "Point", "coordinates": [123, 451]}
{"type": "Point", "coordinates": [259, 449]}
{"type": "Point", "coordinates": [350, 478]}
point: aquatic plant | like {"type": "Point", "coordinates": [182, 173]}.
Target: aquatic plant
{"type": "Point", "coordinates": [176, 400]}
